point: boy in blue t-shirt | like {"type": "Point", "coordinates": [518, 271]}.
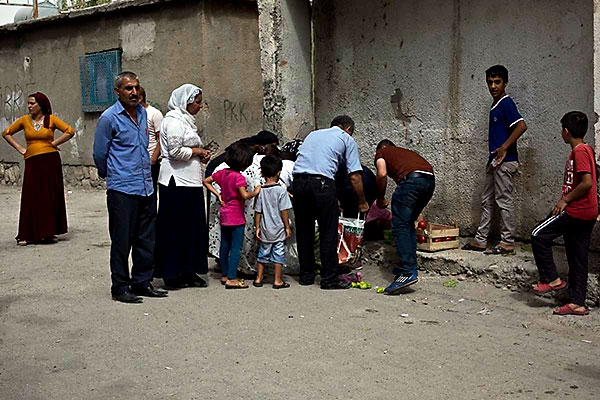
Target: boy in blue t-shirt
{"type": "Point", "coordinates": [272, 222]}
{"type": "Point", "coordinates": [506, 126]}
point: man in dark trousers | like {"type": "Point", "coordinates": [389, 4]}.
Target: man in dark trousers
{"type": "Point", "coordinates": [415, 185]}
{"type": "Point", "coordinates": [121, 156]}
{"type": "Point", "coordinates": [315, 197]}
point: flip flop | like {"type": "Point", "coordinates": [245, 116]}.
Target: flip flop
{"type": "Point", "coordinates": [257, 284]}
{"type": "Point", "coordinates": [568, 310]}
{"type": "Point", "coordinates": [239, 285]}
{"type": "Point", "coordinates": [282, 286]}
{"type": "Point", "coordinates": [546, 287]}
{"type": "Point", "coordinates": [499, 250]}
{"type": "Point", "coordinates": [469, 246]}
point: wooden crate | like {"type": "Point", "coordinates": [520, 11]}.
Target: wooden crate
{"type": "Point", "coordinates": [438, 231]}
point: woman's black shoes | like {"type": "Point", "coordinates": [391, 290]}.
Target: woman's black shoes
{"type": "Point", "coordinates": [182, 282]}
{"type": "Point", "coordinates": [196, 281]}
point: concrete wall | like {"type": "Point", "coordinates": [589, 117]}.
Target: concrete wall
{"type": "Point", "coordinates": [434, 54]}
{"type": "Point", "coordinates": [286, 59]}
{"type": "Point", "coordinates": [211, 43]}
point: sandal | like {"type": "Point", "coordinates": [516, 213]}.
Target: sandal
{"type": "Point", "coordinates": [239, 285]}
{"type": "Point", "coordinates": [257, 284]}
{"type": "Point", "coordinates": [499, 250]}
{"type": "Point", "coordinates": [546, 287]}
{"type": "Point", "coordinates": [282, 286]}
{"type": "Point", "coordinates": [472, 247]}
{"type": "Point", "coordinates": [567, 309]}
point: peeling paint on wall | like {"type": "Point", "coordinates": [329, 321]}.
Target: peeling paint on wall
{"type": "Point", "coordinates": [137, 38]}
{"type": "Point", "coordinates": [78, 133]}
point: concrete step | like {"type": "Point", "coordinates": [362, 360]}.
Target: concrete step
{"type": "Point", "coordinates": [508, 272]}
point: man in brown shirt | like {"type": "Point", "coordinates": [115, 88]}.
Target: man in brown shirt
{"type": "Point", "coordinates": [415, 185]}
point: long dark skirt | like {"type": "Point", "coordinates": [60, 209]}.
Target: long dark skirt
{"type": "Point", "coordinates": [181, 232]}
{"type": "Point", "coordinates": [43, 213]}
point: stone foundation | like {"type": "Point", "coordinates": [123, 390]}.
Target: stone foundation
{"type": "Point", "coordinates": [10, 173]}
{"type": "Point", "coordinates": [85, 176]}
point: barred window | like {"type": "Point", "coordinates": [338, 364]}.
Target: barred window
{"type": "Point", "coordinates": [97, 72]}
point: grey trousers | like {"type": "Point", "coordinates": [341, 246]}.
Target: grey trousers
{"type": "Point", "coordinates": [498, 189]}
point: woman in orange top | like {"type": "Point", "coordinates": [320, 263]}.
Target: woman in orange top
{"type": "Point", "coordinates": [43, 214]}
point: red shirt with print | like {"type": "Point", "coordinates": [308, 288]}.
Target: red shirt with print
{"type": "Point", "coordinates": [581, 160]}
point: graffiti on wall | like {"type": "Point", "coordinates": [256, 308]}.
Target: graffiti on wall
{"type": "Point", "coordinates": [14, 100]}
{"type": "Point", "coordinates": [235, 111]}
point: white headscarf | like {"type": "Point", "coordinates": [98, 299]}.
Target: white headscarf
{"type": "Point", "coordinates": [180, 98]}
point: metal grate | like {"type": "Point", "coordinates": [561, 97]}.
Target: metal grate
{"type": "Point", "coordinates": [97, 72]}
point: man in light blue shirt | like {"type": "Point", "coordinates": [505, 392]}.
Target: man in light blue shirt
{"type": "Point", "coordinates": [315, 197]}
{"type": "Point", "coordinates": [121, 156]}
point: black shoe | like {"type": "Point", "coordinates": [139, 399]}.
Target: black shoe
{"type": "Point", "coordinates": [195, 281]}
{"type": "Point", "coordinates": [335, 285]}
{"type": "Point", "coordinates": [149, 291]}
{"type": "Point", "coordinates": [127, 297]}
{"type": "Point", "coordinates": [175, 284]}
{"type": "Point", "coordinates": [306, 280]}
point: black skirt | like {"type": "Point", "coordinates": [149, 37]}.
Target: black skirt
{"type": "Point", "coordinates": [43, 213]}
{"type": "Point", "coordinates": [181, 232]}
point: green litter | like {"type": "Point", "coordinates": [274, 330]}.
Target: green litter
{"type": "Point", "coordinates": [380, 290]}
{"type": "Point", "coordinates": [361, 285]}
{"type": "Point", "coordinates": [450, 283]}
{"type": "Point", "coordinates": [526, 248]}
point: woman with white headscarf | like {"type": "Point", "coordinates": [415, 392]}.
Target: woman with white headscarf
{"type": "Point", "coordinates": [181, 232]}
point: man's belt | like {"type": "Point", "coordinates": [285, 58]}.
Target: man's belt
{"type": "Point", "coordinates": [419, 174]}
{"type": "Point", "coordinates": [311, 176]}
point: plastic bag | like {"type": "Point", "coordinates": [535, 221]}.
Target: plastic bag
{"type": "Point", "coordinates": [377, 221]}
{"type": "Point", "coordinates": [350, 240]}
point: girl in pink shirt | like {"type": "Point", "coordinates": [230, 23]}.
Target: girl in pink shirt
{"type": "Point", "coordinates": [232, 197]}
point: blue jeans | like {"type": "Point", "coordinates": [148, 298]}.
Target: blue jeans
{"type": "Point", "coordinates": [232, 239]}
{"type": "Point", "coordinates": [410, 198]}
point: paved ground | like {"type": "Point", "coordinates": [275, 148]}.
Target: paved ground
{"type": "Point", "coordinates": [62, 337]}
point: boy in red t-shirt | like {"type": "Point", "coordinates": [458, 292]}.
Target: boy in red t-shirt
{"type": "Point", "coordinates": [573, 217]}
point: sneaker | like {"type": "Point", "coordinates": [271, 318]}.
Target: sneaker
{"type": "Point", "coordinates": [401, 282]}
